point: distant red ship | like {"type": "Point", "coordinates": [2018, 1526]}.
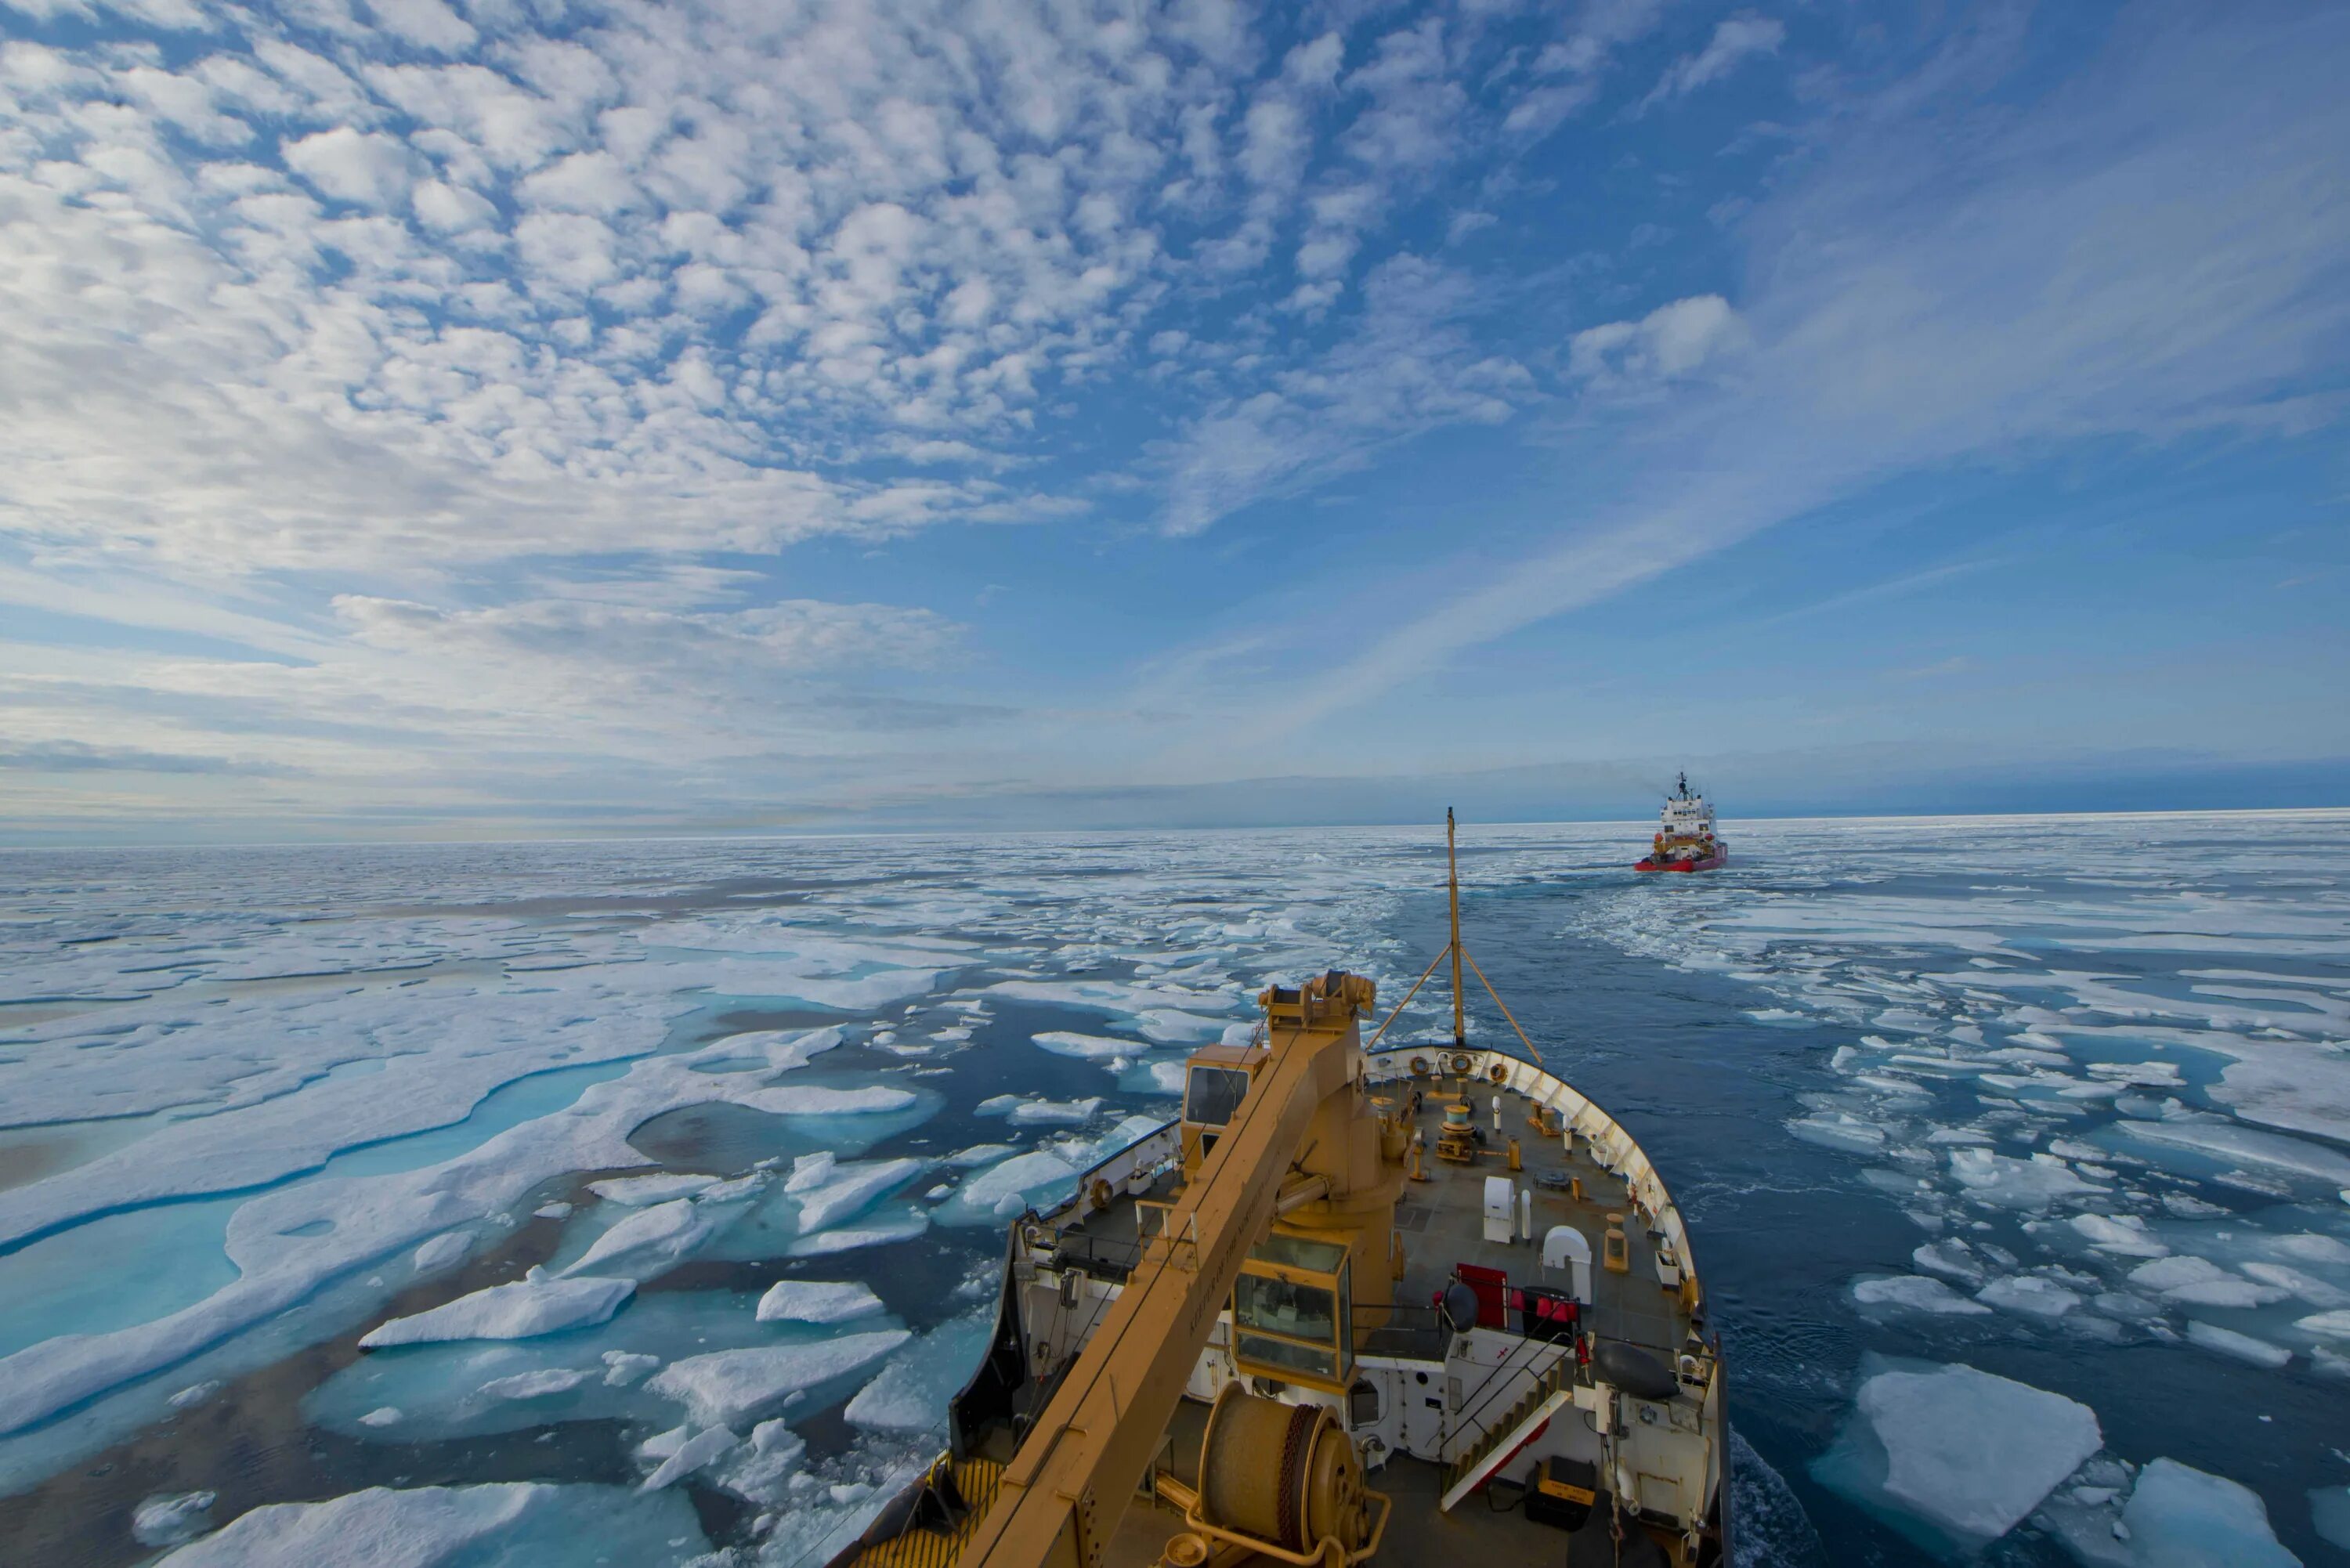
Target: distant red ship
{"type": "Point", "coordinates": [1686, 840]}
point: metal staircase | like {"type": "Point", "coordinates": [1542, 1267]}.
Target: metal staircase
{"type": "Point", "coordinates": [1551, 1391]}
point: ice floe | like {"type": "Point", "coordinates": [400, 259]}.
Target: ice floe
{"type": "Point", "coordinates": [1965, 1452]}
{"type": "Point", "coordinates": [1914, 1293]}
{"type": "Point", "coordinates": [731, 1387]}
{"type": "Point", "coordinates": [2180, 1517]}
{"type": "Point", "coordinates": [536, 1305]}
{"type": "Point", "coordinates": [542, 1384]}
{"type": "Point", "coordinates": [815, 1301]}
{"type": "Point", "coordinates": [452, 1527]}
{"type": "Point", "coordinates": [2242, 1346]}
{"type": "Point", "coordinates": [694, 1453]}
{"type": "Point", "coordinates": [171, 1518]}
{"type": "Point", "coordinates": [643, 1191]}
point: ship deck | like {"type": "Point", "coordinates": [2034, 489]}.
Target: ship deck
{"type": "Point", "coordinates": [1490, 1528]}
{"type": "Point", "coordinates": [1441, 1224]}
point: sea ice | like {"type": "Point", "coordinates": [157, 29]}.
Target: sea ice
{"type": "Point", "coordinates": [850, 1190]}
{"type": "Point", "coordinates": [815, 1301]}
{"type": "Point", "coordinates": [2242, 1346]}
{"type": "Point", "coordinates": [2126, 1236]}
{"type": "Point", "coordinates": [1967, 1453]}
{"type": "Point", "coordinates": [693, 1454]}
{"type": "Point", "coordinates": [813, 1100]}
{"type": "Point", "coordinates": [2226, 1140]}
{"type": "Point", "coordinates": [2178, 1517]}
{"type": "Point", "coordinates": [443, 1251]}
{"type": "Point", "coordinates": [911, 1393]}
{"type": "Point", "coordinates": [728, 1387]}
{"type": "Point", "coordinates": [651, 1238]}
{"type": "Point", "coordinates": [171, 1518]}
{"type": "Point", "coordinates": [542, 1384]}
{"type": "Point", "coordinates": [784, 1049]}
{"type": "Point", "coordinates": [876, 1231]}
{"type": "Point", "coordinates": [2306, 1287]}
{"type": "Point", "coordinates": [643, 1191]}
{"type": "Point", "coordinates": [1034, 1112]}
{"type": "Point", "coordinates": [1915, 1293]}
{"type": "Point", "coordinates": [1016, 1178]}
{"type": "Point", "coordinates": [2325, 1325]}
{"type": "Point", "coordinates": [507, 1522]}
{"type": "Point", "coordinates": [2197, 1282]}
{"type": "Point", "coordinates": [1951, 1259]}
{"type": "Point", "coordinates": [2029, 1294]}
{"type": "Point", "coordinates": [2329, 1512]}
{"type": "Point", "coordinates": [1839, 1130]}
{"type": "Point", "coordinates": [2032, 1183]}
{"type": "Point", "coordinates": [1166, 1078]}
{"type": "Point", "coordinates": [1086, 1047]}
{"type": "Point", "coordinates": [536, 1305]}
{"type": "Point", "coordinates": [624, 1368]}
{"type": "Point", "coordinates": [382, 1416]}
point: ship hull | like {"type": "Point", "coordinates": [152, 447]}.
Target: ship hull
{"type": "Point", "coordinates": [1652, 863]}
{"type": "Point", "coordinates": [1664, 1474]}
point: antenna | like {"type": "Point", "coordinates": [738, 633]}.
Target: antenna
{"type": "Point", "coordinates": [1452, 877]}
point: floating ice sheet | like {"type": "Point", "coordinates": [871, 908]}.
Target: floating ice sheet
{"type": "Point", "coordinates": [736, 1388]}
{"type": "Point", "coordinates": [536, 1305]}
{"type": "Point", "coordinates": [1962, 1453]}
{"type": "Point", "coordinates": [456, 1526]}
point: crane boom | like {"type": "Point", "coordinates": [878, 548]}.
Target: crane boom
{"type": "Point", "coordinates": [1066, 1488]}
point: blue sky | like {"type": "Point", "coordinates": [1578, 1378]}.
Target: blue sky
{"type": "Point", "coordinates": [529, 417]}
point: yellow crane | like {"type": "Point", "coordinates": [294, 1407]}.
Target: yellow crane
{"type": "Point", "coordinates": [1302, 1144]}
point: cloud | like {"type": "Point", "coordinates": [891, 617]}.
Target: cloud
{"type": "Point", "coordinates": [75, 757]}
{"type": "Point", "coordinates": [2134, 259]}
{"type": "Point", "coordinates": [1735, 39]}
{"type": "Point", "coordinates": [368, 168]}
{"type": "Point", "coordinates": [1672, 340]}
{"type": "Point", "coordinates": [1566, 72]}
{"type": "Point", "coordinates": [1411, 366]}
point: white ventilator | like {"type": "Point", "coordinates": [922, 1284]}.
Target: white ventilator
{"type": "Point", "coordinates": [1564, 1246]}
{"type": "Point", "coordinates": [1525, 1213]}
{"type": "Point", "coordinates": [1501, 1202]}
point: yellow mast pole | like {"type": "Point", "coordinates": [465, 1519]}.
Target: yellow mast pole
{"type": "Point", "coordinates": [1460, 998]}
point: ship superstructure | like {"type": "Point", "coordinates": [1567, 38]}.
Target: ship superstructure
{"type": "Point", "coordinates": [1419, 1304]}
{"type": "Point", "coordinates": [1686, 838]}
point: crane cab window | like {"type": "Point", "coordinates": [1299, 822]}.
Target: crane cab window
{"type": "Point", "coordinates": [1211, 1095]}
{"type": "Point", "coordinates": [1291, 1311]}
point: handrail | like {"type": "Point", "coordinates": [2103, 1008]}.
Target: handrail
{"type": "Point", "coordinates": [1477, 1399]}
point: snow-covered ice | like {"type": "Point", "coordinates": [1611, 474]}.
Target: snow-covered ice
{"type": "Point", "coordinates": [2180, 1517]}
{"type": "Point", "coordinates": [171, 1518]}
{"type": "Point", "coordinates": [644, 1191]}
{"type": "Point", "coordinates": [1965, 1451]}
{"type": "Point", "coordinates": [531, 1306]}
{"type": "Point", "coordinates": [2242, 1346]}
{"type": "Point", "coordinates": [816, 1300]}
{"type": "Point", "coordinates": [2061, 1051]}
{"type": "Point", "coordinates": [734, 1387]}
{"type": "Point", "coordinates": [455, 1527]}
{"type": "Point", "coordinates": [694, 1453]}
{"type": "Point", "coordinates": [1914, 1293]}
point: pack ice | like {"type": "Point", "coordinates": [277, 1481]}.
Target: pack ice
{"type": "Point", "coordinates": [1963, 1452]}
{"type": "Point", "coordinates": [454, 1527]}
{"type": "Point", "coordinates": [535, 1305]}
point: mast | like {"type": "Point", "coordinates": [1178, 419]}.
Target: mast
{"type": "Point", "coordinates": [1452, 878]}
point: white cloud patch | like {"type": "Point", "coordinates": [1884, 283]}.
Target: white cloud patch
{"type": "Point", "coordinates": [370, 170]}
{"type": "Point", "coordinates": [1671, 341]}
{"type": "Point", "coordinates": [1736, 39]}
